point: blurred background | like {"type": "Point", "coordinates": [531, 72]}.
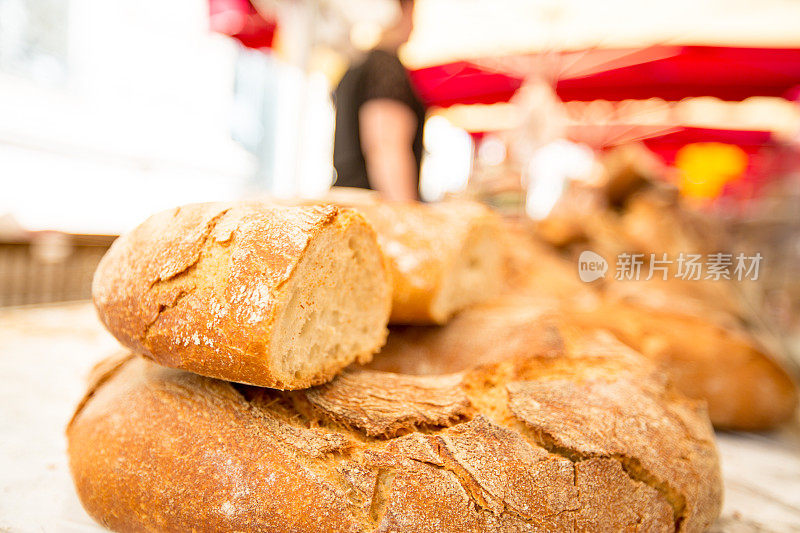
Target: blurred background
{"type": "Point", "coordinates": [111, 111]}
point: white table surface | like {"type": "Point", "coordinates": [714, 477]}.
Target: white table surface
{"type": "Point", "coordinates": [45, 356]}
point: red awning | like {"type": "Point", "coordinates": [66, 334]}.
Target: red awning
{"type": "Point", "coordinates": [463, 82]}
{"type": "Point", "coordinates": [668, 72]}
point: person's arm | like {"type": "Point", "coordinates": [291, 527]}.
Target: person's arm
{"type": "Point", "coordinates": [387, 128]}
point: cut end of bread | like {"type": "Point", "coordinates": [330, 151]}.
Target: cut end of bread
{"type": "Point", "coordinates": [336, 306]}
{"type": "Point", "coordinates": [475, 276]}
{"type": "Point", "coordinates": [268, 295]}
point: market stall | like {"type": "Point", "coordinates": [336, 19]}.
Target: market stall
{"type": "Point", "coordinates": [382, 265]}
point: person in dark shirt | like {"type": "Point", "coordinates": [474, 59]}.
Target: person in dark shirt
{"type": "Point", "coordinates": [379, 120]}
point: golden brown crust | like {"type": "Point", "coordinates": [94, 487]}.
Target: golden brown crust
{"type": "Point", "coordinates": [554, 442]}
{"type": "Point", "coordinates": [694, 330]}
{"type": "Point", "coordinates": [390, 404]}
{"type": "Point", "coordinates": [200, 287]}
{"type": "Point", "coordinates": [506, 327]}
{"type": "Point", "coordinates": [423, 243]}
{"type": "Point", "coordinates": [745, 388]}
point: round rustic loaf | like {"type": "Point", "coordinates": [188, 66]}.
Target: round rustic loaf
{"type": "Point", "coordinates": [582, 437]}
{"type": "Point", "coordinates": [276, 296]}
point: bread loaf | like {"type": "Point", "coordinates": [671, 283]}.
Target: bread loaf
{"type": "Point", "coordinates": [583, 436]}
{"type": "Point", "coordinates": [444, 257]}
{"type": "Point", "coordinates": [745, 389]}
{"type": "Point", "coordinates": [269, 295]}
{"type": "Point", "coordinates": [694, 330]}
{"type": "Point", "coordinates": [505, 327]}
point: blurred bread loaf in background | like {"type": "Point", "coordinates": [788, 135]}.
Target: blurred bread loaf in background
{"type": "Point", "coordinates": [699, 332]}
{"type": "Point", "coordinates": [444, 256]}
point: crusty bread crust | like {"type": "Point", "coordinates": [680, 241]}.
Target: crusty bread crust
{"type": "Point", "coordinates": [582, 437]}
{"type": "Point", "coordinates": [704, 347]}
{"type": "Point", "coordinates": [201, 287]}
{"type": "Point", "coordinates": [745, 388]}
{"type": "Point", "coordinates": [430, 249]}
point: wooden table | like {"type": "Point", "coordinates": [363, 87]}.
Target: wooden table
{"type": "Point", "coordinates": [46, 353]}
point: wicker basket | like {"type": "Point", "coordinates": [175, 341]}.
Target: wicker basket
{"type": "Point", "coordinates": [49, 267]}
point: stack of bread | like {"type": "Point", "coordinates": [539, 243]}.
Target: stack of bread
{"type": "Point", "coordinates": [261, 392]}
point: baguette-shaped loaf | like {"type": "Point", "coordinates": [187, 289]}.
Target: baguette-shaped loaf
{"type": "Point", "coordinates": [583, 438]}
{"type": "Point", "coordinates": [746, 389]}
{"type": "Point", "coordinates": [689, 329]}
{"type": "Point", "coordinates": [268, 295]}
{"type": "Point", "coordinates": [444, 256]}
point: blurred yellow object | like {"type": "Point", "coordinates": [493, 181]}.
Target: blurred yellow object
{"type": "Point", "coordinates": [329, 62]}
{"type": "Point", "coordinates": [706, 167]}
